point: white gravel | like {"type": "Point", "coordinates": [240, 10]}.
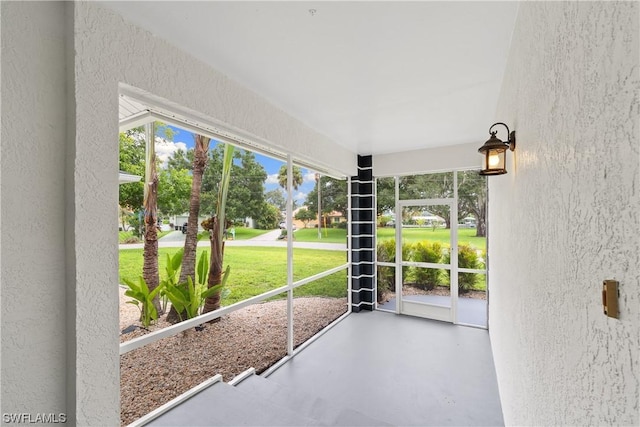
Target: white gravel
{"type": "Point", "coordinates": [254, 336]}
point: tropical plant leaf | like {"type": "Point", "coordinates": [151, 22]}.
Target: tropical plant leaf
{"type": "Point", "coordinates": [134, 286]}
{"type": "Point", "coordinates": [227, 163]}
{"type": "Point", "coordinates": [203, 267]}
{"type": "Point", "coordinates": [210, 291]}
{"type": "Point", "coordinates": [143, 285]}
{"type": "Point", "coordinates": [169, 268]}
{"type": "Point", "coordinates": [190, 296]}
{"type": "Point", "coordinates": [139, 291]}
{"type": "Point", "coordinates": [155, 292]}
{"type": "Point", "coordinates": [225, 275]}
{"type": "Point", "coordinates": [176, 261]}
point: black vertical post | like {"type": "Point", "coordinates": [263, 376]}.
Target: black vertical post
{"type": "Point", "coordinates": [363, 217]}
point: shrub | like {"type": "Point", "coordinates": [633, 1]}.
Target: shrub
{"type": "Point", "coordinates": [137, 226]}
{"type": "Point", "coordinates": [386, 275]}
{"type": "Point", "coordinates": [143, 299]}
{"type": "Point", "coordinates": [467, 258]}
{"type": "Point", "coordinates": [386, 251]}
{"type": "Point", "coordinates": [427, 278]}
{"type": "Point", "coordinates": [267, 217]}
{"type": "Point", "coordinates": [383, 220]}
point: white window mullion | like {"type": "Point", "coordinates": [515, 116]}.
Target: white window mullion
{"type": "Point", "coordinates": [289, 255]}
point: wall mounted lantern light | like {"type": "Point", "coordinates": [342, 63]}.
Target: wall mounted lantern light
{"type": "Point", "coordinates": [494, 152]}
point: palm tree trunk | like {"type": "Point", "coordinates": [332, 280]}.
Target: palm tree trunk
{"type": "Point", "coordinates": [215, 226]}
{"type": "Point", "coordinates": [215, 273]}
{"type": "Point", "coordinates": [191, 239]}
{"type": "Point", "coordinates": [150, 267]}
{"type": "Point", "coordinates": [150, 253]}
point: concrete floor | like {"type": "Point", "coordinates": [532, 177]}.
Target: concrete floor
{"type": "Point", "coordinates": [470, 311]}
{"type": "Point", "coordinates": [401, 370]}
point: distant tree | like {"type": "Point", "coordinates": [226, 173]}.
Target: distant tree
{"type": "Point", "coordinates": [333, 193]}
{"type": "Point", "coordinates": [297, 177]}
{"type": "Point", "coordinates": [385, 195]}
{"type": "Point", "coordinates": [132, 146]}
{"type": "Point", "coordinates": [269, 217]}
{"type": "Point", "coordinates": [472, 199]}
{"type": "Point", "coordinates": [305, 215]}
{"type": "Point", "coordinates": [276, 198]}
{"type": "Point", "coordinates": [472, 194]}
{"type": "Point", "coordinates": [181, 159]}
{"type": "Point", "coordinates": [132, 160]}
{"type": "Point", "coordinates": [165, 132]}
{"type": "Point", "coordinates": [246, 186]}
{"type": "Point", "coordinates": [174, 191]}
{"type": "Point", "coordinates": [429, 186]}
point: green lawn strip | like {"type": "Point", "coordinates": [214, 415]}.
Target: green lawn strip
{"type": "Point", "coordinates": [334, 286]}
{"type": "Point", "coordinates": [124, 235]}
{"type": "Point", "coordinates": [413, 235]}
{"type": "Point", "coordinates": [242, 233]}
{"type": "Point", "coordinates": [255, 270]}
{"type": "Point", "coordinates": [329, 235]}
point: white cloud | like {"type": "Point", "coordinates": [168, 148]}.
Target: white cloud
{"type": "Point", "coordinates": [272, 179]}
{"type": "Point", "coordinates": [309, 177]}
{"type": "Point", "coordinates": [165, 149]}
{"type": "Point", "coordinates": [300, 196]}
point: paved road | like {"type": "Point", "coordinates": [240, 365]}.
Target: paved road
{"type": "Point", "coordinates": [176, 239]}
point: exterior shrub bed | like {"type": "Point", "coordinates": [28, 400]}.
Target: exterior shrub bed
{"type": "Point", "coordinates": [427, 278]}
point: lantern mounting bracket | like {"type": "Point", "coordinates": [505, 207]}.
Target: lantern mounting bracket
{"type": "Point", "coordinates": [511, 141]}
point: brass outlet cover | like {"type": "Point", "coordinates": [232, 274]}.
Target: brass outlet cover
{"type": "Point", "coordinates": [610, 298]}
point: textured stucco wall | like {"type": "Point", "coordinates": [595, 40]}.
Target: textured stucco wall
{"type": "Point", "coordinates": [62, 64]}
{"type": "Point", "coordinates": [566, 217]}
{"type": "Point", "coordinates": [32, 208]}
{"type": "Point", "coordinates": [108, 52]}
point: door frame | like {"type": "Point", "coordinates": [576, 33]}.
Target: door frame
{"type": "Point", "coordinates": [430, 311]}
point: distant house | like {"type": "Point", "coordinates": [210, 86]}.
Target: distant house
{"type": "Point", "coordinates": [334, 217]}
{"type": "Point", "coordinates": [330, 218]}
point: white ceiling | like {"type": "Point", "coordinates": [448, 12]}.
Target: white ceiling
{"type": "Point", "coordinates": [376, 77]}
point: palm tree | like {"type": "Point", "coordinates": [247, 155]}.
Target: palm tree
{"type": "Point", "coordinates": [150, 253]}
{"type": "Point", "coordinates": [200, 159]}
{"type": "Point", "coordinates": [297, 177]}
{"type": "Point", "coordinates": [216, 226]}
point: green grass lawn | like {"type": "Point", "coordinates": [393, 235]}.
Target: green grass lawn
{"type": "Point", "coordinates": [242, 233]}
{"type": "Point", "coordinates": [329, 235]}
{"type": "Point", "coordinates": [412, 235]}
{"type": "Point", "coordinates": [255, 270]}
{"type": "Point", "coordinates": [124, 235]}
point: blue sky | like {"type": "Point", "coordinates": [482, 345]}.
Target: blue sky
{"type": "Point", "coordinates": [183, 139]}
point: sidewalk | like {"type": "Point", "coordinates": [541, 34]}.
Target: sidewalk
{"type": "Point", "coordinates": [176, 239]}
